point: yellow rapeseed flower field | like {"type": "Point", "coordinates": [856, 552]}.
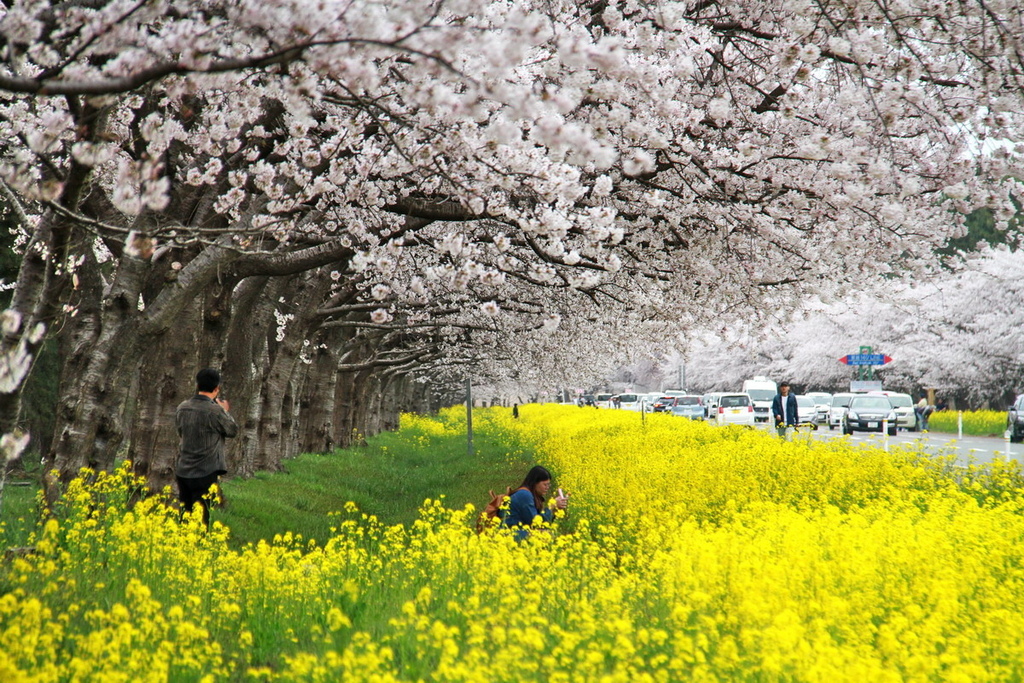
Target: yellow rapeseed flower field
{"type": "Point", "coordinates": [977, 422]}
{"type": "Point", "coordinates": [691, 553]}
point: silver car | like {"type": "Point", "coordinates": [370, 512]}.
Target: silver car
{"type": "Point", "coordinates": [688, 406]}
{"type": "Point", "coordinates": [903, 404]}
{"type": "Point", "coordinates": [838, 408]}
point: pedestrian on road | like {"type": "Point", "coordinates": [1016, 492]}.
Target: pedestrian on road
{"type": "Point", "coordinates": [784, 409]}
{"type": "Point", "coordinates": [203, 422]}
{"type": "Point", "coordinates": [923, 411]}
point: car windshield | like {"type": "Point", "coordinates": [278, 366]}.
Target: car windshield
{"type": "Point", "coordinates": [760, 394]}
{"type": "Point", "coordinates": [870, 403]}
{"type": "Point", "coordinates": [627, 398]}
{"type": "Point", "coordinates": [665, 399]}
{"type": "Point", "coordinates": [604, 397]}
{"type": "Point", "coordinates": [901, 401]}
{"type": "Point", "coordinates": [688, 401]}
{"type": "Point", "coordinates": [841, 401]}
{"type": "Point", "coordinates": [734, 401]}
{"type": "Point", "coordinates": [805, 401]}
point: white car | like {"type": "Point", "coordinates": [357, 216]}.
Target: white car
{"type": "Point", "coordinates": [840, 402]}
{"type": "Point", "coordinates": [903, 404]}
{"type": "Point", "coordinates": [734, 409]}
{"type": "Point", "coordinates": [806, 411]}
{"type": "Point", "coordinates": [629, 401]}
{"type": "Point", "coordinates": [710, 403]}
{"type": "Point", "coordinates": [823, 401]}
{"type": "Point", "coordinates": [603, 401]}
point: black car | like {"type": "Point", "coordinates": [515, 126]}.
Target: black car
{"type": "Point", "coordinates": [868, 414]}
{"type": "Point", "coordinates": [1015, 420]}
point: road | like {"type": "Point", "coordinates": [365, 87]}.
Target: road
{"type": "Point", "coordinates": [982, 448]}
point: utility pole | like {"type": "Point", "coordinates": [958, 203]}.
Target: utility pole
{"type": "Point", "coordinates": [469, 415]}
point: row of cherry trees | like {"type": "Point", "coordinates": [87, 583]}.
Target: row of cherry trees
{"type": "Point", "coordinates": [960, 332]}
{"type": "Point", "coordinates": [349, 205]}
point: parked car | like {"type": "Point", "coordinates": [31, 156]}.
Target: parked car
{"type": "Point", "coordinates": [806, 411]}
{"type": "Point", "coordinates": [868, 414]}
{"type": "Point", "coordinates": [629, 401]}
{"type": "Point", "coordinates": [1015, 420]}
{"type": "Point", "coordinates": [710, 403]}
{"type": "Point", "coordinates": [603, 401]}
{"type": "Point", "coordinates": [650, 400]}
{"type": "Point", "coordinates": [735, 409]}
{"type": "Point", "coordinates": [906, 418]}
{"type": "Point", "coordinates": [838, 408]}
{"type": "Point", "coordinates": [761, 391]}
{"type": "Point", "coordinates": [822, 402]}
{"type": "Point", "coordinates": [664, 404]}
{"type": "Point", "coordinates": [688, 406]}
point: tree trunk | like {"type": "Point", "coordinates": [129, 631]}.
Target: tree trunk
{"type": "Point", "coordinates": [166, 378]}
{"type": "Point", "coordinates": [278, 389]}
{"type": "Point", "coordinates": [316, 406]}
{"type": "Point", "coordinates": [88, 429]}
{"type": "Point", "coordinates": [246, 360]}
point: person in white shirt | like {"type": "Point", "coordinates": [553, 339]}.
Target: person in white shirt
{"type": "Point", "coordinates": [784, 409]}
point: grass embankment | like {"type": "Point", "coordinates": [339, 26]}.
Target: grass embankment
{"type": "Point", "coordinates": [19, 509]}
{"type": "Point", "coordinates": [388, 478]}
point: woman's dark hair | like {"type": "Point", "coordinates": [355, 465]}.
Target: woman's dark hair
{"type": "Point", "coordinates": [536, 475]}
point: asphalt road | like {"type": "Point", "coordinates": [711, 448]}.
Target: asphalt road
{"type": "Point", "coordinates": [981, 448]}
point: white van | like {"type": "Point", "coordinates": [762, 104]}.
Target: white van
{"type": "Point", "coordinates": [630, 401]}
{"type": "Point", "coordinates": [603, 401]}
{"type": "Point", "coordinates": [761, 391]}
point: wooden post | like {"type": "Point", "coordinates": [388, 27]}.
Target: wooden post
{"type": "Point", "coordinates": [469, 415]}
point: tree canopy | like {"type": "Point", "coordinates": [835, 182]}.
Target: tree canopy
{"type": "Point", "coordinates": [402, 188]}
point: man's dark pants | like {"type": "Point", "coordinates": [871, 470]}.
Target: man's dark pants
{"type": "Point", "coordinates": [192, 491]}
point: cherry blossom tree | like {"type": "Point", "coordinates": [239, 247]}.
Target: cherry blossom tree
{"type": "Point", "coordinates": [279, 187]}
{"type": "Point", "coordinates": [958, 332]}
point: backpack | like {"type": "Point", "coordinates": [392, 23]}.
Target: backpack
{"type": "Point", "coordinates": [493, 510]}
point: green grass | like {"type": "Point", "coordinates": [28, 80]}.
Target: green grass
{"type": "Point", "coordinates": [18, 515]}
{"type": "Point", "coordinates": [19, 508]}
{"type": "Point", "coordinates": [390, 478]}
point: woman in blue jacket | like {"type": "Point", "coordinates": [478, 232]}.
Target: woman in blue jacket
{"type": "Point", "coordinates": [528, 502]}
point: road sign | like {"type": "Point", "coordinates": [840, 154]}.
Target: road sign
{"type": "Point", "coordinates": [865, 359]}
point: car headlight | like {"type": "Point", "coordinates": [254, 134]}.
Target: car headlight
{"type": "Point", "coordinates": [892, 416]}
{"type": "Point", "coordinates": [850, 414]}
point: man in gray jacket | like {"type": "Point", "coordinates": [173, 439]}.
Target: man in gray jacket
{"type": "Point", "coordinates": [203, 423]}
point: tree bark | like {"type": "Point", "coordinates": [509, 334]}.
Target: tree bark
{"type": "Point", "coordinates": [165, 380]}
{"type": "Point", "coordinates": [317, 404]}
{"type": "Point", "coordinates": [278, 390]}
{"type": "Point", "coordinates": [89, 428]}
